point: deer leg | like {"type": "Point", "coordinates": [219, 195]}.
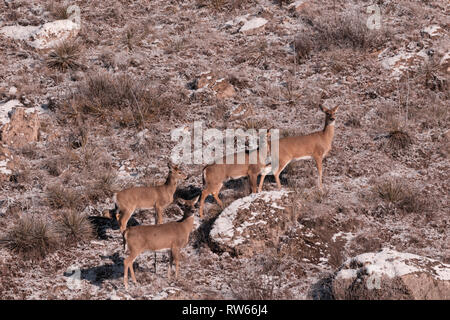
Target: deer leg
{"type": "Point", "coordinates": [128, 263]}
{"type": "Point", "coordinates": [169, 269]}
{"type": "Point", "coordinates": [159, 211]}
{"type": "Point", "coordinates": [216, 196]}
{"type": "Point", "coordinates": [205, 193]}
{"type": "Point", "coordinates": [319, 170]}
{"type": "Point", "coordinates": [253, 182]}
{"type": "Point", "coordinates": [123, 218]}
{"type": "Point", "coordinates": [261, 181]}
{"type": "Point", "coordinates": [280, 169]}
{"type": "Point", "coordinates": [176, 258]}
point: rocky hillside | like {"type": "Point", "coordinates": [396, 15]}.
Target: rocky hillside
{"type": "Point", "coordinates": [89, 94]}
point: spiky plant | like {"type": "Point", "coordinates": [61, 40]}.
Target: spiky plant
{"type": "Point", "coordinates": [32, 238]}
{"type": "Point", "coordinates": [64, 56]}
{"type": "Point", "coordinates": [74, 226]}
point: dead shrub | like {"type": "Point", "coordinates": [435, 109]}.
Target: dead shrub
{"type": "Point", "coordinates": [58, 10]}
{"type": "Point", "coordinates": [102, 187]}
{"type": "Point", "coordinates": [224, 5]}
{"type": "Point", "coordinates": [32, 238]}
{"type": "Point", "coordinates": [120, 98]}
{"type": "Point", "coordinates": [64, 56]}
{"type": "Point", "coordinates": [400, 195]}
{"type": "Point", "coordinates": [398, 139]}
{"type": "Point", "coordinates": [59, 197]}
{"type": "Point", "coordinates": [251, 287]}
{"type": "Point", "coordinates": [74, 227]}
{"type": "Point", "coordinates": [346, 30]}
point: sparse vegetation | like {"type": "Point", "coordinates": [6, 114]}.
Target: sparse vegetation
{"type": "Point", "coordinates": [120, 98]}
{"type": "Point", "coordinates": [64, 56]}
{"type": "Point", "coordinates": [108, 99]}
{"type": "Point", "coordinates": [59, 197]}
{"type": "Point", "coordinates": [74, 227]}
{"type": "Point", "coordinates": [31, 237]}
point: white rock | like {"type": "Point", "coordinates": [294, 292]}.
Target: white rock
{"type": "Point", "coordinates": [389, 274]}
{"type": "Point", "coordinates": [43, 37]}
{"type": "Point", "coordinates": [253, 25]}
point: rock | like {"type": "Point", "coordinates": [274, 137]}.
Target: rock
{"type": "Point", "coordinates": [251, 224]}
{"type": "Point", "coordinates": [236, 21]}
{"type": "Point", "coordinates": [298, 5]}
{"type": "Point", "coordinates": [22, 128]}
{"type": "Point", "coordinates": [445, 62]}
{"type": "Point", "coordinates": [7, 164]}
{"type": "Point", "coordinates": [402, 61]}
{"type": "Point", "coordinates": [389, 274]}
{"type": "Point", "coordinates": [12, 91]}
{"type": "Point", "coordinates": [221, 87]}
{"type": "Point", "coordinates": [205, 80]}
{"type": "Point", "coordinates": [241, 111]}
{"type": "Point", "coordinates": [433, 32]}
{"type": "Point", "coordinates": [46, 36]}
{"type": "Point", "coordinates": [6, 110]}
{"type": "Point", "coordinates": [253, 26]}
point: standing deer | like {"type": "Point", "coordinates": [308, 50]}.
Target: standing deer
{"type": "Point", "coordinates": [215, 174]}
{"type": "Point", "coordinates": [312, 146]}
{"type": "Point", "coordinates": [172, 235]}
{"type": "Point", "coordinates": [158, 197]}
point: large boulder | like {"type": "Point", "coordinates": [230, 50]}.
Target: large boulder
{"type": "Point", "coordinates": [389, 274]}
{"type": "Point", "coordinates": [253, 25]}
{"type": "Point", "coordinates": [252, 224]}
{"type": "Point", "coordinates": [22, 128]}
{"type": "Point", "coordinates": [7, 164]}
{"type": "Point", "coordinates": [45, 36]}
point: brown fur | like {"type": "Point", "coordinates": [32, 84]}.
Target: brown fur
{"type": "Point", "coordinates": [315, 145]}
{"type": "Point", "coordinates": [171, 235]}
{"type": "Point", "coordinates": [215, 174]}
{"type": "Point", "coordinates": [158, 197]}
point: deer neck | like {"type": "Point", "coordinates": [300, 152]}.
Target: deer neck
{"type": "Point", "coordinates": [171, 182]}
{"type": "Point", "coordinates": [328, 130]}
{"type": "Point", "coordinates": [188, 223]}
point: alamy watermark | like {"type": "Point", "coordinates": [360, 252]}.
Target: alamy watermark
{"type": "Point", "coordinates": [374, 20]}
{"type": "Point", "coordinates": [227, 146]}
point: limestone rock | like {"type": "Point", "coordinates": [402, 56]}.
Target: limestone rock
{"type": "Point", "coordinates": [389, 274]}
{"type": "Point", "coordinates": [298, 5]}
{"type": "Point", "coordinates": [22, 128]}
{"type": "Point", "coordinates": [7, 164]}
{"type": "Point", "coordinates": [251, 224]}
{"type": "Point", "coordinates": [43, 37]}
{"type": "Point", "coordinates": [221, 87]}
{"type": "Point", "coordinates": [253, 26]}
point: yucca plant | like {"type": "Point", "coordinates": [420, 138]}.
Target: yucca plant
{"type": "Point", "coordinates": [74, 226]}
{"type": "Point", "coordinates": [32, 238]}
{"type": "Point", "coordinates": [64, 56]}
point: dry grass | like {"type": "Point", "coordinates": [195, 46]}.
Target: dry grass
{"type": "Point", "coordinates": [64, 56]}
{"type": "Point", "coordinates": [403, 196]}
{"type": "Point", "coordinates": [74, 227]}
{"type": "Point", "coordinates": [58, 9]}
{"type": "Point", "coordinates": [59, 197]}
{"type": "Point", "coordinates": [120, 98]}
{"type": "Point", "coordinates": [347, 30]}
{"type": "Point", "coordinates": [32, 238]}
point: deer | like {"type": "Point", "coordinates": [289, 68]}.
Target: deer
{"type": "Point", "coordinates": [172, 235]}
{"type": "Point", "coordinates": [158, 197]}
{"type": "Point", "coordinates": [215, 174]}
{"type": "Point", "coordinates": [312, 146]}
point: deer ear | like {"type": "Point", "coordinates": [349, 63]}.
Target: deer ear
{"type": "Point", "coordinates": [335, 109]}
{"type": "Point", "coordinates": [322, 108]}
